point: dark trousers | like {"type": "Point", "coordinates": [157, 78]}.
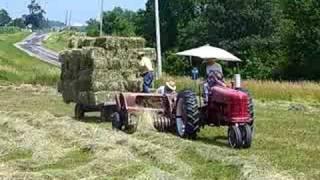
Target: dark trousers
{"type": "Point", "coordinates": [147, 81]}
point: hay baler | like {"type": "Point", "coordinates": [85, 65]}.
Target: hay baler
{"type": "Point", "coordinates": [130, 105]}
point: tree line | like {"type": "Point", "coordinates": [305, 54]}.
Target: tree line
{"type": "Point", "coordinates": [35, 19]}
{"type": "Point", "coordinates": [276, 39]}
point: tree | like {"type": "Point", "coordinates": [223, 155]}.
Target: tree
{"type": "Point", "coordinates": [248, 29]}
{"type": "Point", "coordinates": [174, 15]}
{"type": "Point", "coordinates": [35, 16]}
{"type": "Point", "coordinates": [119, 22]}
{"type": "Point", "coordinates": [301, 39]}
{"type": "Point", "coordinates": [18, 22]}
{"type": "Point", "coordinates": [4, 17]}
{"type": "Point", "coordinates": [92, 28]}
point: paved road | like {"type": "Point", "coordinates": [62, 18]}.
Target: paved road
{"type": "Point", "coordinates": [32, 46]}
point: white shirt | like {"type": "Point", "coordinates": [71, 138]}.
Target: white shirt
{"type": "Point", "coordinates": [214, 67]}
{"type": "Point", "coordinates": [161, 90]}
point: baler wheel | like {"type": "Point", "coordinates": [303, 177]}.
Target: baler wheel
{"type": "Point", "coordinates": [125, 122]}
{"type": "Point", "coordinates": [103, 115]}
{"type": "Point", "coordinates": [234, 137]}
{"type": "Point", "coordinates": [79, 111]}
{"type": "Point", "coordinates": [116, 121]}
{"type": "Point", "coordinates": [162, 123]}
{"type": "Point", "coordinates": [246, 133]}
{"type": "Point", "coordinates": [187, 115]}
{"type": "Point", "coordinates": [130, 123]}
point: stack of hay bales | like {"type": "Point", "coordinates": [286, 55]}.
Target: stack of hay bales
{"type": "Point", "coordinates": [98, 68]}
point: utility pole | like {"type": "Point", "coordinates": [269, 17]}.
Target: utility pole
{"type": "Point", "coordinates": [158, 38]}
{"type": "Point", "coordinates": [70, 16]}
{"type": "Point", "coordinates": [66, 18]}
{"type": "Point", "coordinates": [101, 18]}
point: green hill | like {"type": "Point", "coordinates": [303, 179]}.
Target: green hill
{"type": "Point", "coordinates": [18, 67]}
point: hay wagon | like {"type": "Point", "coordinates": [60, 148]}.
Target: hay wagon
{"type": "Point", "coordinates": [94, 70]}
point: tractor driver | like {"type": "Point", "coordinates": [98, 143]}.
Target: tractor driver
{"type": "Point", "coordinates": [213, 66]}
{"type": "Point", "coordinates": [214, 77]}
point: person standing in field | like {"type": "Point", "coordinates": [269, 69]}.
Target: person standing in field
{"type": "Point", "coordinates": [147, 72]}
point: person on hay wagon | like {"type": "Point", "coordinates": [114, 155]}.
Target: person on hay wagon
{"type": "Point", "coordinates": [214, 75]}
{"type": "Point", "coordinates": [147, 71]}
{"type": "Point", "coordinates": [168, 88]}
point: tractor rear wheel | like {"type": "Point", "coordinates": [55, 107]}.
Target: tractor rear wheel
{"type": "Point", "coordinates": [234, 137]}
{"type": "Point", "coordinates": [79, 111]}
{"type": "Point", "coordinates": [187, 115]}
{"type": "Point", "coordinates": [246, 133]}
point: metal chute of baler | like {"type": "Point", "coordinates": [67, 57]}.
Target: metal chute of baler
{"type": "Point", "coordinates": [130, 105]}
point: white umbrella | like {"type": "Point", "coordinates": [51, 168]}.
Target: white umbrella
{"type": "Point", "coordinates": [209, 52]}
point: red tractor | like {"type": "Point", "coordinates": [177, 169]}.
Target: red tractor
{"type": "Point", "coordinates": [186, 115]}
{"type": "Point", "coordinates": [182, 113]}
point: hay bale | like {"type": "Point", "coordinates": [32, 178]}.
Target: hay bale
{"type": "Point", "coordinates": [102, 65]}
{"type": "Point", "coordinates": [107, 42]}
{"type": "Point", "coordinates": [96, 98]}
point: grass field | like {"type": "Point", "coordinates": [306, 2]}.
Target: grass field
{"type": "Point", "coordinates": [18, 67]}
{"type": "Point", "coordinates": [263, 90]}
{"type": "Point", "coordinates": [41, 140]}
{"type": "Point", "coordinates": [58, 41]}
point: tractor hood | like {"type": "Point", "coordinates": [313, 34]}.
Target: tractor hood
{"type": "Point", "coordinates": [227, 95]}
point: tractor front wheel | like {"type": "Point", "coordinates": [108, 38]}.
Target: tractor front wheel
{"type": "Point", "coordinates": [246, 132]}
{"type": "Point", "coordinates": [234, 137]}
{"type": "Point", "coordinates": [187, 115]}
{"type": "Point", "coordinates": [79, 111]}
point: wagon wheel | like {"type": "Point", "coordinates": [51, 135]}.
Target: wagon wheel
{"type": "Point", "coordinates": [106, 113]}
{"type": "Point", "coordinates": [79, 111]}
{"type": "Point", "coordinates": [103, 115]}
{"type": "Point", "coordinates": [246, 133]}
{"type": "Point", "coordinates": [187, 115]}
{"type": "Point", "coordinates": [234, 137]}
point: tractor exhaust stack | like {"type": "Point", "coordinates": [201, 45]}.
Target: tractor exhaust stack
{"type": "Point", "coordinates": [237, 78]}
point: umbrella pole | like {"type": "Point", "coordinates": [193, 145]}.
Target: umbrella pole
{"type": "Point", "coordinates": [238, 68]}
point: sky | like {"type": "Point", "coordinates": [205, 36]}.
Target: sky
{"type": "Point", "coordinates": [82, 10]}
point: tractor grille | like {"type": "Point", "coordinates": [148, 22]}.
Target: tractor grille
{"type": "Point", "coordinates": [239, 108]}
